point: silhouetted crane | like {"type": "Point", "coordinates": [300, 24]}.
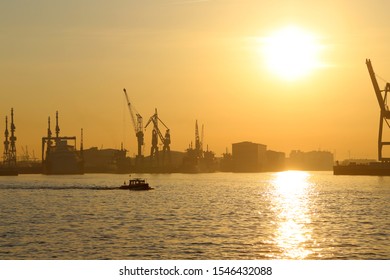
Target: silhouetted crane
{"type": "Point", "coordinates": [9, 156]}
{"type": "Point", "coordinates": [156, 133]}
{"type": "Point", "coordinates": [385, 112]}
{"type": "Point", "coordinates": [137, 124]}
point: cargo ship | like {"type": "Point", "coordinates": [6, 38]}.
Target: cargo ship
{"type": "Point", "coordinates": [58, 156]}
{"type": "Point", "coordinates": [62, 159]}
{"type": "Point", "coordinates": [371, 168]}
{"type": "Point", "coordinates": [8, 171]}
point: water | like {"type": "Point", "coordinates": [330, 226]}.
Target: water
{"type": "Point", "coordinates": [287, 215]}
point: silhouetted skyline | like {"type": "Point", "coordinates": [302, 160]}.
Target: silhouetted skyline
{"type": "Point", "coordinates": [192, 60]}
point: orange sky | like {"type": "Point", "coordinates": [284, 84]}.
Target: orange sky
{"type": "Point", "coordinates": [192, 60]}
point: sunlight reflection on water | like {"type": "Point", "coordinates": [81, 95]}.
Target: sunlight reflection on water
{"type": "Point", "coordinates": [290, 200]}
{"type": "Point", "coordinates": [286, 215]}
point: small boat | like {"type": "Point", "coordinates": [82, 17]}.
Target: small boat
{"type": "Point", "coordinates": [136, 185]}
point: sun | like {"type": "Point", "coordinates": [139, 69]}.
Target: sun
{"type": "Point", "coordinates": [291, 53]}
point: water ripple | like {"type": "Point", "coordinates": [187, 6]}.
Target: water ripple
{"type": "Point", "coordinates": [289, 215]}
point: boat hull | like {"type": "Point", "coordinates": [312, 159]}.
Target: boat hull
{"type": "Point", "coordinates": [136, 188]}
{"type": "Point", "coordinates": [5, 171]}
{"type": "Point", "coordinates": [371, 169]}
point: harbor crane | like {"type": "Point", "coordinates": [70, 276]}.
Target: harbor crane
{"type": "Point", "coordinates": [381, 96]}
{"type": "Point", "coordinates": [156, 133]}
{"type": "Point", "coordinates": [9, 156]}
{"type": "Point", "coordinates": [9, 166]}
{"type": "Point", "coordinates": [137, 124]}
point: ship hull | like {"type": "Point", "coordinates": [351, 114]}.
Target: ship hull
{"type": "Point", "coordinates": [63, 161]}
{"type": "Point", "coordinates": [4, 171]}
{"type": "Point", "coordinates": [372, 169]}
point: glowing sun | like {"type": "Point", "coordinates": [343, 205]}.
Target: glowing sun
{"type": "Point", "coordinates": [291, 53]}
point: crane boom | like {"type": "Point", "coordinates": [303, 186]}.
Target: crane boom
{"type": "Point", "coordinates": [382, 99]}
{"type": "Point", "coordinates": [155, 119]}
{"type": "Point", "coordinates": [137, 124]}
{"type": "Point", "coordinates": [131, 111]}
{"type": "Point", "coordinates": [384, 111]}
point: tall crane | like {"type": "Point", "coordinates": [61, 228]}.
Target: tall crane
{"type": "Point", "coordinates": [9, 156]}
{"type": "Point", "coordinates": [198, 140]}
{"type": "Point", "coordinates": [383, 105]}
{"type": "Point", "coordinates": [12, 152]}
{"type": "Point", "coordinates": [156, 133]}
{"type": "Point", "coordinates": [6, 143]}
{"type": "Point", "coordinates": [137, 124]}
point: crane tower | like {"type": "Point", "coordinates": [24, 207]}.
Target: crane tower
{"type": "Point", "coordinates": [9, 156]}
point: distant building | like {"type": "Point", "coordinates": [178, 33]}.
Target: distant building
{"type": "Point", "coordinates": [276, 161]}
{"type": "Point", "coordinates": [314, 160]}
{"type": "Point", "coordinates": [249, 157]}
{"type": "Point", "coordinates": [226, 162]}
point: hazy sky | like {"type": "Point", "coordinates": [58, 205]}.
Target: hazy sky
{"type": "Point", "coordinates": [192, 60]}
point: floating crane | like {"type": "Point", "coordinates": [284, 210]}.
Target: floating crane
{"type": "Point", "coordinates": [137, 124]}
{"type": "Point", "coordinates": [156, 133]}
{"type": "Point", "coordinates": [384, 113]}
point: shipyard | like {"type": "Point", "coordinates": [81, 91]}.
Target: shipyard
{"type": "Point", "coordinates": [63, 155]}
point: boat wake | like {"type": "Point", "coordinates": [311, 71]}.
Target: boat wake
{"type": "Point", "coordinates": [97, 188]}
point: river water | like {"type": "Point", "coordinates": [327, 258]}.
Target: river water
{"type": "Point", "coordinates": [285, 215]}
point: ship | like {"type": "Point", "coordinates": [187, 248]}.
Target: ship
{"type": "Point", "coordinates": [382, 166]}
{"type": "Point", "coordinates": [136, 184]}
{"type": "Point", "coordinates": [374, 168]}
{"type": "Point", "coordinates": [8, 171]}
{"type": "Point", "coordinates": [59, 156]}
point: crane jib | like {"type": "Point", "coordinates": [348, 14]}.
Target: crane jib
{"type": "Point", "coordinates": [137, 124]}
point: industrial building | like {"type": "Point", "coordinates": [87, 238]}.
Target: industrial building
{"type": "Point", "coordinates": [249, 157]}
{"type": "Point", "coordinates": [276, 161]}
{"type": "Point", "coordinates": [313, 160]}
